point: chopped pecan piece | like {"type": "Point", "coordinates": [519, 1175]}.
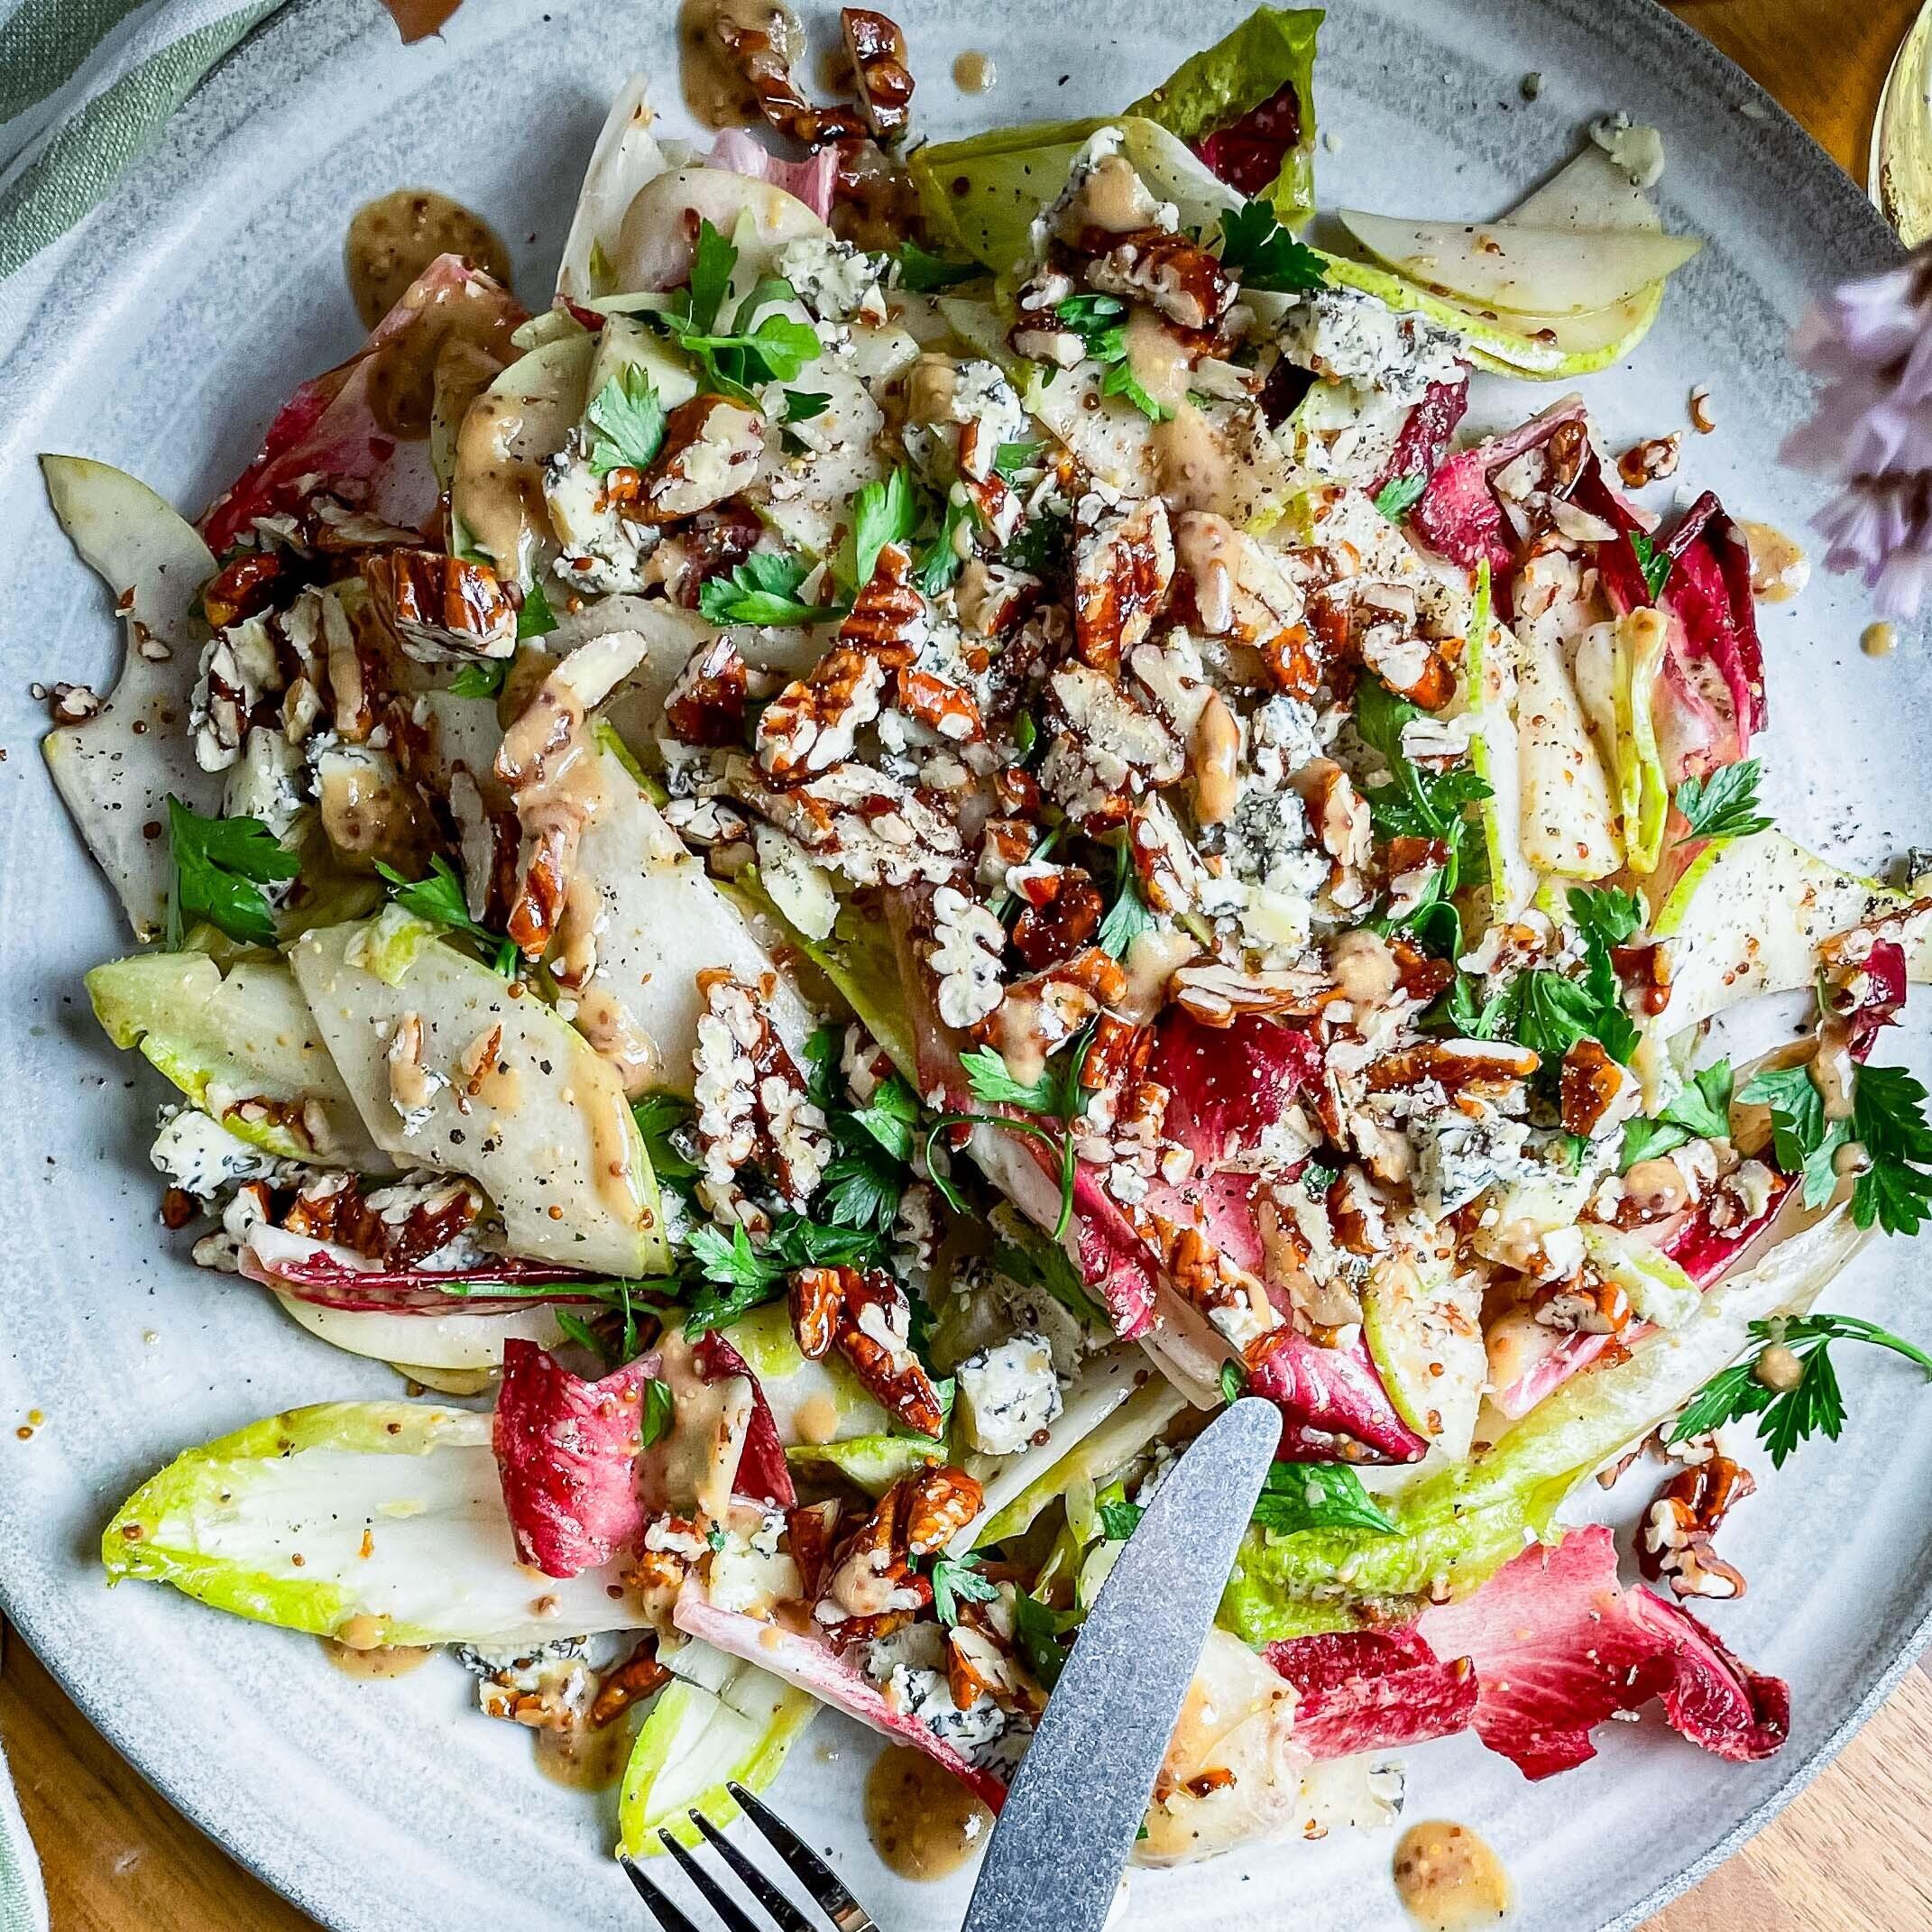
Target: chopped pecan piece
{"type": "Point", "coordinates": [940, 704]}
{"type": "Point", "coordinates": [870, 1587]}
{"type": "Point", "coordinates": [809, 1534]}
{"type": "Point", "coordinates": [1585, 1304]}
{"type": "Point", "coordinates": [866, 1316]}
{"type": "Point", "coordinates": [877, 49]}
{"type": "Point", "coordinates": [245, 585]}
{"type": "Point", "coordinates": [711, 449]}
{"type": "Point", "coordinates": [764, 46]}
{"type": "Point", "coordinates": [1411, 666]}
{"type": "Point", "coordinates": [1234, 1301]}
{"type": "Point", "coordinates": [1487, 1067]}
{"type": "Point", "coordinates": [940, 1502]}
{"type": "Point", "coordinates": [440, 608]}
{"type": "Point", "coordinates": [1160, 266]}
{"type": "Point", "coordinates": [1337, 812]}
{"type": "Point", "coordinates": [396, 1227]}
{"type": "Point", "coordinates": [1045, 1009]}
{"type": "Point", "coordinates": [639, 1677]}
{"type": "Point", "coordinates": [707, 705]}
{"type": "Point", "coordinates": [1592, 1084]}
{"type": "Point", "coordinates": [889, 617]}
{"type": "Point", "coordinates": [1293, 662]}
{"type": "Point", "coordinates": [1218, 995]}
{"type": "Point", "coordinates": [1062, 911]}
{"type": "Point", "coordinates": [814, 721]}
{"type": "Point", "coordinates": [1674, 1544]}
{"type": "Point", "coordinates": [1123, 568]}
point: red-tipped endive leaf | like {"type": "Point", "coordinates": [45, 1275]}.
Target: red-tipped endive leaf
{"type": "Point", "coordinates": [809, 181]}
{"type": "Point", "coordinates": [336, 1277]}
{"type": "Point", "coordinates": [1559, 1646]}
{"type": "Point", "coordinates": [1372, 1690]}
{"type": "Point", "coordinates": [1459, 516]}
{"type": "Point", "coordinates": [1226, 1085]}
{"type": "Point", "coordinates": [817, 1670]}
{"type": "Point", "coordinates": [1248, 153]}
{"type": "Point", "coordinates": [333, 427]}
{"type": "Point", "coordinates": [568, 1450]}
{"type": "Point", "coordinates": [763, 1474]}
{"type": "Point", "coordinates": [1423, 447]}
{"type": "Point", "coordinates": [1326, 1393]}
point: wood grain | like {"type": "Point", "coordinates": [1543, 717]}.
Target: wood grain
{"type": "Point", "coordinates": [1852, 1854]}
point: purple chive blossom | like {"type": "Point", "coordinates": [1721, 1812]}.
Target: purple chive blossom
{"type": "Point", "coordinates": [1870, 344]}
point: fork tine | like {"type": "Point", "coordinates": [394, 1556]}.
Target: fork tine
{"type": "Point", "coordinates": [806, 1866]}
{"type": "Point", "coordinates": [789, 1917]}
{"type": "Point", "coordinates": [667, 1915]}
{"type": "Point", "coordinates": [712, 1893]}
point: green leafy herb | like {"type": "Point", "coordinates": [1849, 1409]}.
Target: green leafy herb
{"type": "Point", "coordinates": [481, 677]}
{"type": "Point", "coordinates": [1127, 918]}
{"type": "Point", "coordinates": [889, 1117]}
{"type": "Point", "coordinates": [1233, 1381]}
{"type": "Point", "coordinates": [736, 1277]}
{"type": "Point", "coordinates": [924, 273]}
{"type": "Point", "coordinates": [1400, 495]}
{"type": "Point", "coordinates": [535, 618]}
{"type": "Point", "coordinates": [801, 405]}
{"type": "Point", "coordinates": [1048, 1267]}
{"type": "Point", "coordinates": [957, 1580]}
{"type": "Point", "coordinates": [661, 1410]}
{"type": "Point", "coordinates": [1724, 806]}
{"type": "Point", "coordinates": [762, 590]}
{"type": "Point", "coordinates": [1893, 1187]}
{"type": "Point", "coordinates": [886, 511]}
{"type": "Point", "coordinates": [1118, 1520]}
{"type": "Point", "coordinates": [1653, 563]}
{"type": "Point", "coordinates": [1263, 254]}
{"type": "Point", "coordinates": [1098, 320]}
{"type": "Point", "coordinates": [1120, 379]}
{"type": "Point", "coordinates": [220, 866]}
{"type": "Point", "coordinates": [573, 1326]}
{"type": "Point", "coordinates": [1812, 1406]}
{"type": "Point", "coordinates": [659, 1117]}
{"type": "Point", "coordinates": [1026, 734]}
{"type": "Point", "coordinates": [712, 259]}
{"type": "Point", "coordinates": [1318, 1496]}
{"type": "Point", "coordinates": [940, 562]}
{"type": "Point", "coordinates": [1056, 1094]}
{"type": "Point", "coordinates": [630, 414]}
{"type": "Point", "coordinates": [986, 1075]}
{"type": "Point", "coordinates": [441, 900]}
{"type": "Point", "coordinates": [1039, 1629]}
{"type": "Point", "coordinates": [1010, 458]}
{"type": "Point", "coordinates": [863, 1189]}
{"type": "Point", "coordinates": [1700, 1112]}
{"type": "Point", "coordinates": [729, 361]}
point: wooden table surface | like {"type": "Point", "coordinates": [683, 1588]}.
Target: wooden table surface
{"type": "Point", "coordinates": [1852, 1854]}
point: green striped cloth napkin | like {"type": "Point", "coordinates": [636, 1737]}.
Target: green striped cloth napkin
{"type": "Point", "coordinates": [23, 1902]}
{"type": "Point", "coordinates": [86, 86]}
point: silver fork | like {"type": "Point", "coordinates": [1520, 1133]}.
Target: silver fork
{"type": "Point", "coordinates": [805, 1865]}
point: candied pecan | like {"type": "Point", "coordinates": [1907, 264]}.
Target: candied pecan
{"type": "Point", "coordinates": [817, 1300]}
{"type": "Point", "coordinates": [1233, 1300]}
{"type": "Point", "coordinates": [709, 545]}
{"type": "Point", "coordinates": [639, 1677]}
{"type": "Point", "coordinates": [1004, 843]}
{"type": "Point", "coordinates": [1017, 791]}
{"type": "Point", "coordinates": [1171, 271]}
{"type": "Point", "coordinates": [1590, 1084]}
{"type": "Point", "coordinates": [1586, 1303]}
{"type": "Point", "coordinates": [888, 616]}
{"type": "Point", "coordinates": [1293, 662]}
{"type": "Point", "coordinates": [1218, 995]}
{"type": "Point", "coordinates": [877, 51]}
{"type": "Point", "coordinates": [712, 446]}
{"type": "Point", "coordinates": [1045, 1009]}
{"type": "Point", "coordinates": [940, 1502]}
{"type": "Point", "coordinates": [1484, 1067]}
{"type": "Point", "coordinates": [1123, 568]}
{"type": "Point", "coordinates": [1411, 666]}
{"type": "Point", "coordinates": [870, 1586]}
{"type": "Point", "coordinates": [1354, 1213]}
{"type": "Point", "coordinates": [810, 1532]}
{"type": "Point", "coordinates": [938, 702]}
{"type": "Point", "coordinates": [1062, 912]}
{"type": "Point", "coordinates": [1422, 978]}
{"type": "Point", "coordinates": [245, 585]}
{"type": "Point", "coordinates": [1674, 1543]}
{"type": "Point", "coordinates": [707, 705]}
{"type": "Point", "coordinates": [1645, 969]}
{"type": "Point", "coordinates": [395, 1227]}
{"type": "Point", "coordinates": [765, 53]}
{"type": "Point", "coordinates": [1214, 757]}
{"type": "Point", "coordinates": [1336, 813]}
{"type": "Point", "coordinates": [1650, 461]}
{"type": "Point", "coordinates": [814, 721]}
{"type": "Point", "coordinates": [1117, 1051]}
{"type": "Point", "coordinates": [440, 607]}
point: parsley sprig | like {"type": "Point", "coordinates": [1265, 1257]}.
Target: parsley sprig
{"type": "Point", "coordinates": [1318, 1496]}
{"type": "Point", "coordinates": [1653, 563]}
{"type": "Point", "coordinates": [1399, 495]}
{"type": "Point", "coordinates": [440, 899]}
{"type": "Point", "coordinates": [957, 1580]}
{"type": "Point", "coordinates": [1702, 1111]}
{"type": "Point", "coordinates": [731, 360]}
{"type": "Point", "coordinates": [762, 590]}
{"type": "Point", "coordinates": [1789, 1410]}
{"type": "Point", "coordinates": [220, 867]}
{"type": "Point", "coordinates": [1263, 254]}
{"type": "Point", "coordinates": [1099, 322]}
{"type": "Point", "coordinates": [1893, 1187]}
{"type": "Point", "coordinates": [924, 273]}
{"type": "Point", "coordinates": [630, 413]}
{"type": "Point", "coordinates": [1056, 1097]}
{"type": "Point", "coordinates": [732, 1277]}
{"type": "Point", "coordinates": [1725, 806]}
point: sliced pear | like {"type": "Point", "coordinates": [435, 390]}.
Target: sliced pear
{"type": "Point", "coordinates": [441, 1345]}
{"type": "Point", "coordinates": [548, 1134]}
{"type": "Point", "coordinates": [1568, 816]}
{"type": "Point", "coordinates": [653, 246]}
{"type": "Point", "coordinates": [1509, 346]}
{"type": "Point", "coordinates": [1543, 272]}
{"type": "Point", "coordinates": [115, 770]}
{"type": "Point", "coordinates": [1427, 1341]}
{"type": "Point", "coordinates": [1747, 918]}
{"type": "Point", "coordinates": [1497, 755]}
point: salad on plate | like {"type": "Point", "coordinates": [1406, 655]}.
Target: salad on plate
{"type": "Point", "coordinates": [941, 819]}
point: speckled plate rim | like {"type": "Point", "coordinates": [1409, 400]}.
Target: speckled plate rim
{"type": "Point", "coordinates": [309, 30]}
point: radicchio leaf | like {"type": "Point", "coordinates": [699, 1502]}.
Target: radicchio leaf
{"type": "Point", "coordinates": [809, 181]}
{"type": "Point", "coordinates": [1228, 1085]}
{"type": "Point", "coordinates": [1459, 516]}
{"type": "Point", "coordinates": [763, 1474]}
{"type": "Point", "coordinates": [1557, 1646]}
{"type": "Point", "coordinates": [1424, 445]}
{"type": "Point", "coordinates": [566, 1450]}
{"type": "Point", "coordinates": [334, 426]}
{"type": "Point", "coordinates": [333, 1276]}
{"type": "Point", "coordinates": [1325, 1392]}
{"type": "Point", "coordinates": [1369, 1691]}
{"type": "Point", "coordinates": [816, 1669]}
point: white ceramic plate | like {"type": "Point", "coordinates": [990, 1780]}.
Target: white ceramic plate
{"type": "Point", "coordinates": [161, 337]}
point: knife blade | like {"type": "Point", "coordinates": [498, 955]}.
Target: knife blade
{"type": "Point", "coordinates": [1070, 1819]}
